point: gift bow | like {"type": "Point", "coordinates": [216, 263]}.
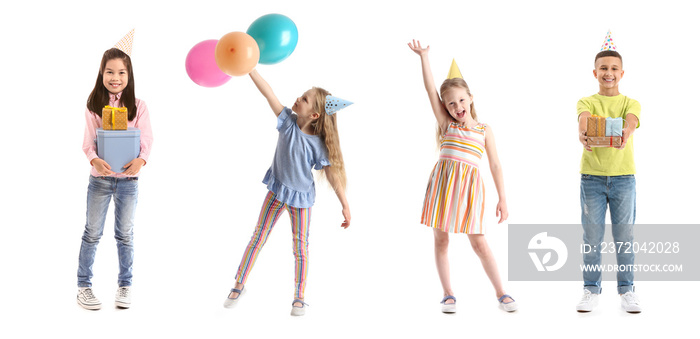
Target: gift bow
{"type": "Point", "coordinates": [120, 109]}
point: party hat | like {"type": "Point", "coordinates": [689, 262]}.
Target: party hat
{"type": "Point", "coordinates": [454, 71]}
{"type": "Point", "coordinates": [334, 104]}
{"type": "Point", "coordinates": [608, 45]}
{"type": "Point", "coordinates": [125, 43]}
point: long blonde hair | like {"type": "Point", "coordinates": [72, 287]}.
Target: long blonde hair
{"type": "Point", "coordinates": [446, 85]}
{"type": "Point", "coordinates": [326, 127]}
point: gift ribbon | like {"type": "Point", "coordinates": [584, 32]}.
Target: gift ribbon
{"type": "Point", "coordinates": [122, 109]}
{"type": "Point", "coordinates": [624, 125]}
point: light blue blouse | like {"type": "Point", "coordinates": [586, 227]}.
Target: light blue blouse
{"type": "Point", "coordinates": [297, 153]}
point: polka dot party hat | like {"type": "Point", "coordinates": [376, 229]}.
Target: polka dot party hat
{"type": "Point", "coordinates": [454, 71]}
{"type": "Point", "coordinates": [125, 43]}
{"type": "Point", "coordinates": [335, 104]}
{"type": "Point", "coordinates": [608, 45]}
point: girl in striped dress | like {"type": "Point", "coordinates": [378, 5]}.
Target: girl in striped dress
{"type": "Point", "coordinates": [454, 199]}
{"type": "Point", "coordinates": [308, 140]}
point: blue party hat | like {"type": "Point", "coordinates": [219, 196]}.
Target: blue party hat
{"type": "Point", "coordinates": [334, 104]}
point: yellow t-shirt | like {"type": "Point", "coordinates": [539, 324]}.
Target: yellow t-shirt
{"type": "Point", "coordinates": [609, 161]}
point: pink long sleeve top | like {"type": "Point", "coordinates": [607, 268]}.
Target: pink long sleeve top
{"type": "Point", "coordinates": [141, 121]}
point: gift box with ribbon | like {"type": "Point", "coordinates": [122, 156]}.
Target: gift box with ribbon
{"type": "Point", "coordinates": [595, 126]}
{"type": "Point", "coordinates": [604, 132]}
{"type": "Point", "coordinates": [604, 141]}
{"type": "Point", "coordinates": [114, 118]}
{"type": "Point", "coordinates": [613, 127]}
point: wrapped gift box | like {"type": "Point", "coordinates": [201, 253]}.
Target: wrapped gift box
{"type": "Point", "coordinates": [114, 118]}
{"type": "Point", "coordinates": [604, 132]}
{"type": "Point", "coordinates": [604, 141]}
{"type": "Point", "coordinates": [595, 126]}
{"type": "Point", "coordinates": [613, 127]}
{"type": "Point", "coordinates": [117, 148]}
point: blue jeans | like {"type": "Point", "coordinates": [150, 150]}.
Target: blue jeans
{"type": "Point", "coordinates": [597, 193]}
{"type": "Point", "coordinates": [100, 192]}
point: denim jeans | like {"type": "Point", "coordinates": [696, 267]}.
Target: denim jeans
{"type": "Point", "coordinates": [597, 194]}
{"type": "Point", "coordinates": [100, 192]}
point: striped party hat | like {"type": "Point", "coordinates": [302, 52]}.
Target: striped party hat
{"type": "Point", "coordinates": [335, 104]}
{"type": "Point", "coordinates": [126, 43]}
{"type": "Point", "coordinates": [608, 45]}
{"type": "Point", "coordinates": [454, 71]}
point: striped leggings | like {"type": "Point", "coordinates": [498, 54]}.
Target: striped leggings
{"type": "Point", "coordinates": [270, 212]}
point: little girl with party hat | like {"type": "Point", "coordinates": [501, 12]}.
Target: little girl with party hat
{"type": "Point", "coordinates": [114, 87]}
{"type": "Point", "coordinates": [454, 199]}
{"type": "Point", "coordinates": [308, 140]}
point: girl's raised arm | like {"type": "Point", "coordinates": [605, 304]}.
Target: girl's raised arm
{"type": "Point", "coordinates": [497, 174]}
{"type": "Point", "coordinates": [438, 109]}
{"type": "Point", "coordinates": [266, 91]}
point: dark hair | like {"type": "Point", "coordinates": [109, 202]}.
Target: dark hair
{"type": "Point", "coordinates": [603, 54]}
{"type": "Point", "coordinates": [99, 98]}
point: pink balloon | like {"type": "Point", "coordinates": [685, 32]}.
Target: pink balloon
{"type": "Point", "coordinates": [201, 65]}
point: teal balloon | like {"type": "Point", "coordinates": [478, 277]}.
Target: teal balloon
{"type": "Point", "coordinates": [276, 36]}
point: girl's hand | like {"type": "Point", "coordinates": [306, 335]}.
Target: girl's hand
{"type": "Point", "coordinates": [502, 211]}
{"type": "Point", "coordinates": [102, 167]}
{"type": "Point", "coordinates": [134, 166]}
{"type": "Point", "coordinates": [346, 215]}
{"type": "Point", "coordinates": [416, 47]}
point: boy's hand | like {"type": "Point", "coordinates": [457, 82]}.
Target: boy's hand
{"type": "Point", "coordinates": [584, 140]}
{"type": "Point", "coordinates": [346, 215]}
{"type": "Point", "coordinates": [625, 136]}
{"type": "Point", "coordinates": [416, 47]}
{"type": "Point", "coordinates": [134, 166]}
{"type": "Point", "coordinates": [102, 167]}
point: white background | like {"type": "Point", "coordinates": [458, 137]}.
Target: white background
{"type": "Point", "coordinates": [527, 64]}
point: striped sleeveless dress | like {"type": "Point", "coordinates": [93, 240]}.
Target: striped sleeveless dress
{"type": "Point", "coordinates": [454, 199]}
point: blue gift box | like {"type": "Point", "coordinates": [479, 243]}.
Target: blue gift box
{"type": "Point", "coordinates": [613, 127]}
{"type": "Point", "coordinates": [117, 148]}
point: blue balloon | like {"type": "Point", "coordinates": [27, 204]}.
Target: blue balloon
{"type": "Point", "coordinates": [276, 36]}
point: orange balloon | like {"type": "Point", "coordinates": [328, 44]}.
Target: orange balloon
{"type": "Point", "coordinates": [237, 53]}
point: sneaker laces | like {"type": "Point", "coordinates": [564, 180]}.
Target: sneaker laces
{"type": "Point", "coordinates": [631, 298]}
{"type": "Point", "coordinates": [88, 294]}
{"type": "Point", "coordinates": [587, 295]}
{"type": "Point", "coordinates": [123, 292]}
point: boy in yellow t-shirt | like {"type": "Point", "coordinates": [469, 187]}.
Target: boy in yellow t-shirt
{"type": "Point", "coordinates": [607, 180]}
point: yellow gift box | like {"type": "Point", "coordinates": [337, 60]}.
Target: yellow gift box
{"type": "Point", "coordinates": [114, 118]}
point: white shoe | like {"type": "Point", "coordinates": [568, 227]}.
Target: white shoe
{"type": "Point", "coordinates": [88, 300]}
{"type": "Point", "coordinates": [231, 302]}
{"type": "Point", "coordinates": [123, 297]}
{"type": "Point", "coordinates": [299, 311]}
{"type": "Point", "coordinates": [588, 302]}
{"type": "Point", "coordinates": [508, 307]}
{"type": "Point", "coordinates": [630, 303]}
{"type": "Point", "coordinates": [451, 307]}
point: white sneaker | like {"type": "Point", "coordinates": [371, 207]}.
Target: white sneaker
{"type": "Point", "coordinates": [630, 303]}
{"type": "Point", "coordinates": [123, 297]}
{"type": "Point", "coordinates": [88, 300]}
{"type": "Point", "coordinates": [588, 302]}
